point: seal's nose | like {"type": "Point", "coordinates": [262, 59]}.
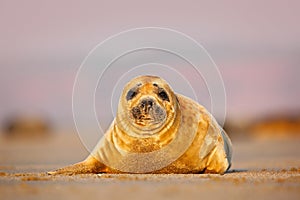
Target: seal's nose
{"type": "Point", "coordinates": [146, 104]}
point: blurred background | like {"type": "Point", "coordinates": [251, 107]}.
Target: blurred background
{"type": "Point", "coordinates": [255, 44]}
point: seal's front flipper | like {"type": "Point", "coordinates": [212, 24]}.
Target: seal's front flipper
{"type": "Point", "coordinates": [88, 166]}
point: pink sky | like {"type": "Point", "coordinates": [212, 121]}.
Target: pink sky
{"type": "Point", "coordinates": [255, 44]}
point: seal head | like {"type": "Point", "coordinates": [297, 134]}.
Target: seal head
{"type": "Point", "coordinates": [147, 106]}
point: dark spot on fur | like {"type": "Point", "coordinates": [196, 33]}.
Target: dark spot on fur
{"type": "Point", "coordinates": [136, 112]}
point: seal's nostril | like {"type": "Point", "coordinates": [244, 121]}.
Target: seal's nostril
{"type": "Point", "coordinates": [150, 103]}
{"type": "Point", "coordinates": [146, 104]}
{"type": "Point", "coordinates": [143, 104]}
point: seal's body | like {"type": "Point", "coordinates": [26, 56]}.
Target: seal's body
{"type": "Point", "coordinates": [158, 131]}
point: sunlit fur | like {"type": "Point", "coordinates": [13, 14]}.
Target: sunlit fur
{"type": "Point", "coordinates": [135, 131]}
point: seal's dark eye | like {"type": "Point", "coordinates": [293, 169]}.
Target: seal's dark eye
{"type": "Point", "coordinates": [131, 94]}
{"type": "Point", "coordinates": [163, 95]}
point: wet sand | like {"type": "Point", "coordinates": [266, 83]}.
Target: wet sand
{"type": "Point", "coordinates": [262, 169]}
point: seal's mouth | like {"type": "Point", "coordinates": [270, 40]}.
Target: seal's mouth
{"type": "Point", "coordinates": [145, 120]}
{"type": "Point", "coordinates": [145, 117]}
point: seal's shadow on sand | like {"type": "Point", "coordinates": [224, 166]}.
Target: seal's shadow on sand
{"type": "Point", "coordinates": [231, 171]}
